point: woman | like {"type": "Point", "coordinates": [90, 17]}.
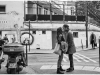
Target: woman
{"type": "Point", "coordinates": [59, 40]}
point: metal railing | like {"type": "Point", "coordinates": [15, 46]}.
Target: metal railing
{"type": "Point", "coordinates": [32, 17]}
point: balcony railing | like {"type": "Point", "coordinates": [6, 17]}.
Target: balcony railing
{"type": "Point", "coordinates": [32, 17]}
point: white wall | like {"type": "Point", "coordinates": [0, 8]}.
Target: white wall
{"type": "Point", "coordinates": [82, 36]}
{"type": "Point", "coordinates": [16, 6]}
{"type": "Point", "coordinates": [42, 41]}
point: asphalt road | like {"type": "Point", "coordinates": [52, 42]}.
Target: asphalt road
{"type": "Point", "coordinates": [90, 57]}
{"type": "Point", "coordinates": [36, 61]}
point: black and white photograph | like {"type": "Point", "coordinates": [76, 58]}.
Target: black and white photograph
{"type": "Point", "coordinates": [49, 37]}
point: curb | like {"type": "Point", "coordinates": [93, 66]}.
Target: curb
{"type": "Point", "coordinates": [51, 51]}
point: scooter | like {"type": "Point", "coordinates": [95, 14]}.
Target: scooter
{"type": "Point", "coordinates": [15, 55]}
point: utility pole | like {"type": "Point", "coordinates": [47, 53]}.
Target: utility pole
{"type": "Point", "coordinates": [29, 34]}
{"type": "Point", "coordinates": [24, 10]}
{"type": "Point", "coordinates": [37, 12]}
{"type": "Point", "coordinates": [86, 24]}
{"type": "Point", "coordinates": [76, 10]}
{"type": "Point", "coordinates": [50, 12]}
{"type": "Point", "coordinates": [64, 11]}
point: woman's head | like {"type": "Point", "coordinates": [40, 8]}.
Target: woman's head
{"type": "Point", "coordinates": [59, 30]}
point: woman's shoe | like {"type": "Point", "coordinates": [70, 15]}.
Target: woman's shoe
{"type": "Point", "coordinates": [59, 72]}
{"type": "Point", "coordinates": [61, 69]}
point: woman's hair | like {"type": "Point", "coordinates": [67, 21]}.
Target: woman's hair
{"type": "Point", "coordinates": [59, 38]}
{"type": "Point", "coordinates": [59, 31]}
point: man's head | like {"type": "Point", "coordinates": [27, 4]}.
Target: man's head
{"type": "Point", "coordinates": [66, 27]}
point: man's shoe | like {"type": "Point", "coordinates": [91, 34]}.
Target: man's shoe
{"type": "Point", "coordinates": [59, 72]}
{"type": "Point", "coordinates": [61, 69]}
{"type": "Point", "coordinates": [70, 69]}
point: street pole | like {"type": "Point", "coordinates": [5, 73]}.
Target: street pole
{"type": "Point", "coordinates": [24, 11]}
{"type": "Point", "coordinates": [37, 12]}
{"type": "Point", "coordinates": [86, 19]}
{"type": "Point", "coordinates": [99, 51]}
{"type": "Point", "coordinates": [29, 34]}
{"type": "Point", "coordinates": [26, 56]}
{"type": "Point", "coordinates": [50, 12]}
{"type": "Point", "coordinates": [64, 12]}
{"type": "Point", "coordinates": [76, 10]}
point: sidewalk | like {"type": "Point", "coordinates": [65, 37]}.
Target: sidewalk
{"type": "Point", "coordinates": [78, 69]}
{"type": "Point", "coordinates": [51, 50]}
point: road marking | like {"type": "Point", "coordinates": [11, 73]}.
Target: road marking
{"type": "Point", "coordinates": [90, 68]}
{"type": "Point", "coordinates": [76, 59]}
{"type": "Point", "coordinates": [81, 58]}
{"type": "Point", "coordinates": [46, 67]}
{"type": "Point", "coordinates": [65, 58]}
{"type": "Point", "coordinates": [87, 58]}
{"type": "Point", "coordinates": [87, 68]}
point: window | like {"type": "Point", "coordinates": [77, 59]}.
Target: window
{"type": "Point", "coordinates": [39, 10]}
{"type": "Point", "coordinates": [34, 32]}
{"type": "Point", "coordinates": [43, 32]}
{"type": "Point", "coordinates": [45, 12]}
{"type": "Point", "coordinates": [75, 34]}
{"type": "Point", "coordinates": [72, 11]}
{"type": "Point", "coordinates": [2, 9]}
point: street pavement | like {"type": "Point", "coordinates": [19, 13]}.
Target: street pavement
{"type": "Point", "coordinates": [86, 61]}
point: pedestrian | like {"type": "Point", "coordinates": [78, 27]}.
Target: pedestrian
{"type": "Point", "coordinates": [1, 51]}
{"type": "Point", "coordinates": [6, 39]}
{"type": "Point", "coordinates": [71, 46]}
{"type": "Point", "coordinates": [13, 39]}
{"type": "Point", "coordinates": [93, 40]}
{"type": "Point", "coordinates": [59, 40]}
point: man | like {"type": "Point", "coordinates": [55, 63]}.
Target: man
{"type": "Point", "coordinates": [71, 46]}
{"type": "Point", "coordinates": [93, 40]}
{"type": "Point", "coordinates": [1, 52]}
{"type": "Point", "coordinates": [6, 39]}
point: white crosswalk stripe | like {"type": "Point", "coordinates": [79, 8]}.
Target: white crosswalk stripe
{"type": "Point", "coordinates": [79, 58]}
{"type": "Point", "coordinates": [76, 59]}
{"type": "Point", "coordinates": [87, 58]}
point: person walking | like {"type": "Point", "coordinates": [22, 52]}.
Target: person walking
{"type": "Point", "coordinates": [13, 39]}
{"type": "Point", "coordinates": [93, 40]}
{"type": "Point", "coordinates": [6, 39]}
{"type": "Point", "coordinates": [59, 40]}
{"type": "Point", "coordinates": [71, 46]}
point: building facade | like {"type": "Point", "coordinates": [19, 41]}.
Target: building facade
{"type": "Point", "coordinates": [44, 19]}
{"type": "Point", "coordinates": [11, 13]}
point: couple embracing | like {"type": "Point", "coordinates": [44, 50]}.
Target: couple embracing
{"type": "Point", "coordinates": [63, 34]}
